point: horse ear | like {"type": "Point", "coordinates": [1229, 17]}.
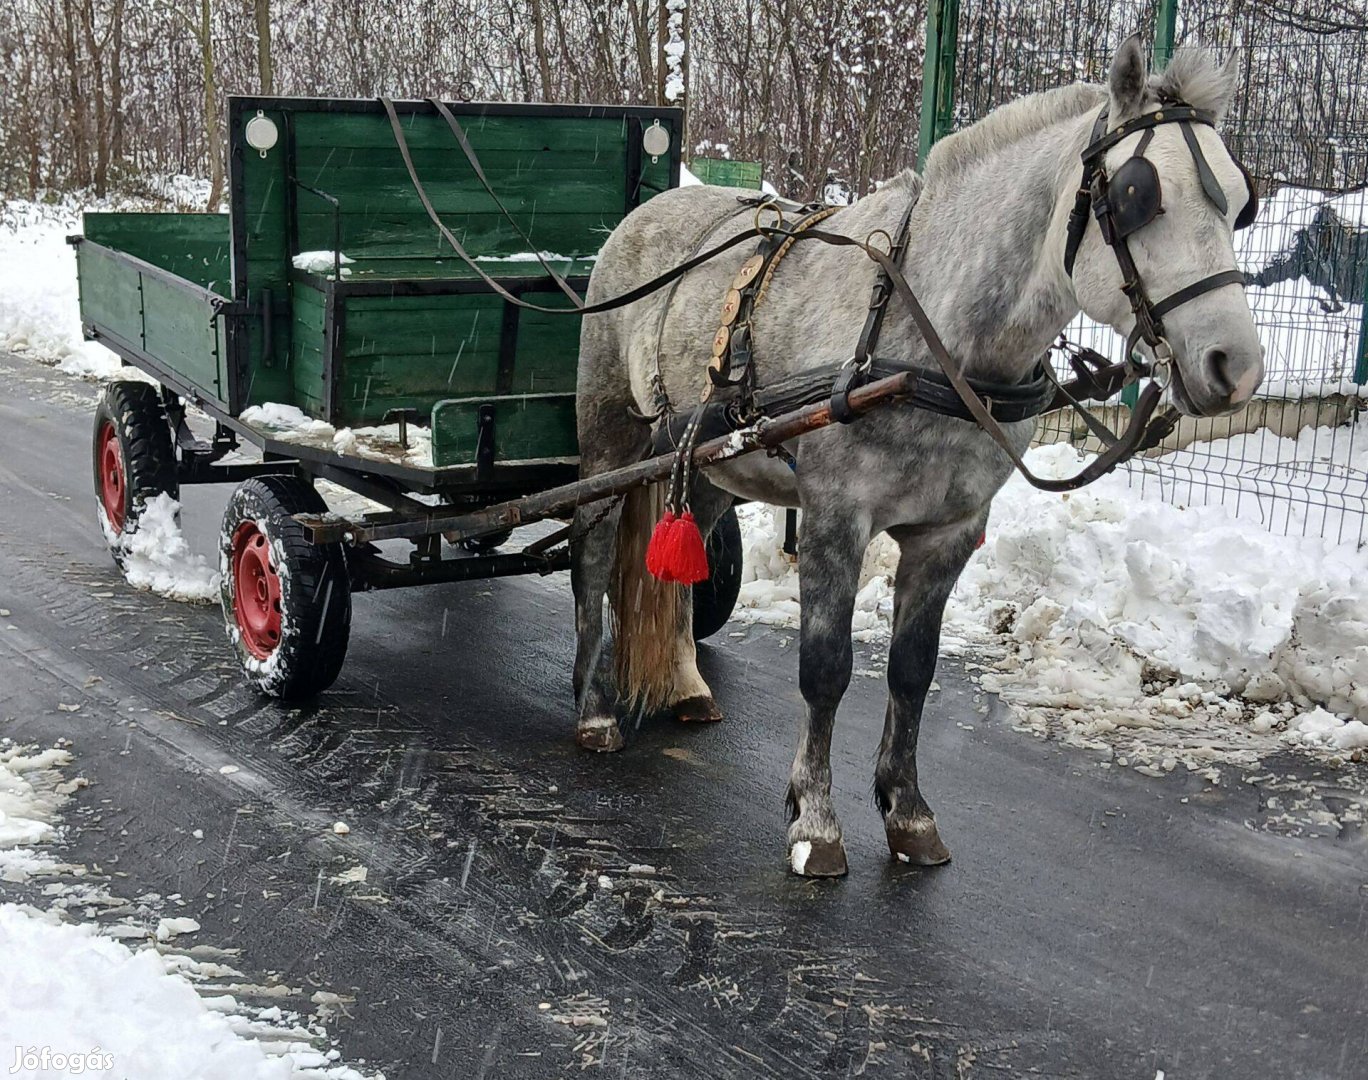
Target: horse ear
{"type": "Point", "coordinates": [1197, 77]}
{"type": "Point", "coordinates": [1127, 80]}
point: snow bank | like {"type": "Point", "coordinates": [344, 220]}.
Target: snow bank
{"type": "Point", "coordinates": [38, 301]}
{"type": "Point", "coordinates": [1126, 612]}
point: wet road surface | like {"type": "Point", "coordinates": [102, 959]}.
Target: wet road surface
{"type": "Point", "coordinates": [529, 910]}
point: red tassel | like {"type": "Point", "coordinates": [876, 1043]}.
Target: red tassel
{"type": "Point", "coordinates": [983, 539]}
{"type": "Point", "coordinates": [676, 552]}
{"type": "Point", "coordinates": [655, 550]}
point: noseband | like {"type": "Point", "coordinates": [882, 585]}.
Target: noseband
{"type": "Point", "coordinates": [1130, 199]}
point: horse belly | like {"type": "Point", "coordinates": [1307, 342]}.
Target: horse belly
{"type": "Point", "coordinates": [757, 478]}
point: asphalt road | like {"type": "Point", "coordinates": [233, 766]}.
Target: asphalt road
{"type": "Point", "coordinates": [1092, 923]}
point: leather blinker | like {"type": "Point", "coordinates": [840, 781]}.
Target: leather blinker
{"type": "Point", "coordinates": [1135, 195]}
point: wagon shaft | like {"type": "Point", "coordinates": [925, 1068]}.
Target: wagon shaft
{"type": "Point", "coordinates": [329, 528]}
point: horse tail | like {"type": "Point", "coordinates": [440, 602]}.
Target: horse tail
{"type": "Point", "coordinates": [645, 610]}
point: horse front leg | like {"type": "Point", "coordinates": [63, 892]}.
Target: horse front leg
{"type": "Point", "coordinates": [929, 565]}
{"type": "Point", "coordinates": [833, 545]}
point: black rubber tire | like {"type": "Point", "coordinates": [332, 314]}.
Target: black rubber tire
{"type": "Point", "coordinates": [714, 599]}
{"type": "Point", "coordinates": [315, 589]}
{"type": "Point", "coordinates": [485, 545]}
{"type": "Point", "coordinates": [138, 416]}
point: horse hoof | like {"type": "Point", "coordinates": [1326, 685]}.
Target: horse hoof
{"type": "Point", "coordinates": [918, 843]}
{"type": "Point", "coordinates": [817, 858]}
{"type": "Point", "coordinates": [697, 710]}
{"type": "Point", "coordinates": [601, 734]}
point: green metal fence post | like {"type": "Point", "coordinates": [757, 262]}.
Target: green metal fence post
{"type": "Point", "coordinates": [938, 75]}
{"type": "Point", "coordinates": [1165, 30]}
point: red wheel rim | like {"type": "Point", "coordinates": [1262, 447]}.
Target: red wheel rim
{"type": "Point", "coordinates": [113, 483]}
{"type": "Point", "coordinates": [256, 591]}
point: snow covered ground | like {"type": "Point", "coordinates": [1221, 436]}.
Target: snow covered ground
{"type": "Point", "coordinates": [123, 999]}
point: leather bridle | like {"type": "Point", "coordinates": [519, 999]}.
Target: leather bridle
{"type": "Point", "coordinates": [1131, 198]}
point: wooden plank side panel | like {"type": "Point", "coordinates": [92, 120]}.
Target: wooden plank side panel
{"type": "Point", "coordinates": [526, 428]}
{"type": "Point", "coordinates": [371, 130]}
{"type": "Point", "coordinates": [410, 352]}
{"type": "Point", "coordinates": [111, 293]}
{"type": "Point", "coordinates": [181, 331]}
{"type": "Point", "coordinates": [193, 246]}
{"type": "Point", "coordinates": [307, 342]}
{"type": "Point", "coordinates": [397, 230]}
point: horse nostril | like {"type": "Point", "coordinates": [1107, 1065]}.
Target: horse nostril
{"type": "Point", "coordinates": [1218, 363]}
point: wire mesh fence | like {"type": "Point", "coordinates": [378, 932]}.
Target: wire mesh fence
{"type": "Point", "coordinates": [1296, 458]}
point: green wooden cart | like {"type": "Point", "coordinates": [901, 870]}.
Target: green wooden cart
{"type": "Point", "coordinates": [325, 321]}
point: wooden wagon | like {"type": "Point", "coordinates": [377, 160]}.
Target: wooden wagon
{"type": "Point", "coordinates": [326, 322]}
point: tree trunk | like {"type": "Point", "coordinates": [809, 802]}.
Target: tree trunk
{"type": "Point", "coordinates": [116, 86]}
{"type": "Point", "coordinates": [539, 45]}
{"type": "Point", "coordinates": [262, 9]}
{"type": "Point", "coordinates": [214, 137]}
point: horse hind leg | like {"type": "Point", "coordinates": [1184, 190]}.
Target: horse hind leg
{"type": "Point", "coordinates": [596, 726]}
{"type": "Point", "coordinates": [691, 699]}
{"type": "Point", "coordinates": [609, 438]}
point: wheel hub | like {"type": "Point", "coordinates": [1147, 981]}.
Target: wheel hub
{"type": "Point", "coordinates": [113, 483]}
{"type": "Point", "coordinates": [256, 591]}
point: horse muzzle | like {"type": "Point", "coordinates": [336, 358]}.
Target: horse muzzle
{"type": "Point", "coordinates": [1219, 380]}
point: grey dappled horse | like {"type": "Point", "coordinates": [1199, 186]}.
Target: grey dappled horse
{"type": "Point", "coordinates": [985, 256]}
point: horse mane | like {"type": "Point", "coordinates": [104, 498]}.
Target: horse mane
{"type": "Point", "coordinates": [1193, 75]}
{"type": "Point", "coordinates": [1009, 124]}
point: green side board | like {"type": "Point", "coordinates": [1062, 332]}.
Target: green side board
{"type": "Point", "coordinates": [724, 172]}
{"type": "Point", "coordinates": [154, 314]}
{"type": "Point", "coordinates": [408, 352]}
{"type": "Point", "coordinates": [196, 247]}
{"type": "Point", "coordinates": [527, 427]}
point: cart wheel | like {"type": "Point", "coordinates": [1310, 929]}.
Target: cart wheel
{"type": "Point", "coordinates": [286, 601]}
{"type": "Point", "coordinates": [714, 599]}
{"type": "Point", "coordinates": [132, 457]}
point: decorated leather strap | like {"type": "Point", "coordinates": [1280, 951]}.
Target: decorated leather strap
{"type": "Point", "coordinates": [732, 349]}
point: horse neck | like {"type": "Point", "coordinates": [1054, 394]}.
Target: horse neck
{"type": "Point", "coordinates": [985, 255]}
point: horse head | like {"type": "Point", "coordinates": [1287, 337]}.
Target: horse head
{"type": "Point", "coordinates": [1158, 262]}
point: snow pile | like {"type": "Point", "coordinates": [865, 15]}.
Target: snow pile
{"type": "Point", "coordinates": [1125, 610]}
{"type": "Point", "coordinates": [534, 256]}
{"type": "Point", "coordinates": [286, 421]}
{"type": "Point", "coordinates": [155, 556]}
{"type": "Point", "coordinates": [381, 443]}
{"type": "Point", "coordinates": [323, 262]}
{"type": "Point", "coordinates": [1117, 613]}
{"type": "Point", "coordinates": [85, 996]}
{"type": "Point", "coordinates": [31, 791]}
{"type": "Point", "coordinates": [39, 316]}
